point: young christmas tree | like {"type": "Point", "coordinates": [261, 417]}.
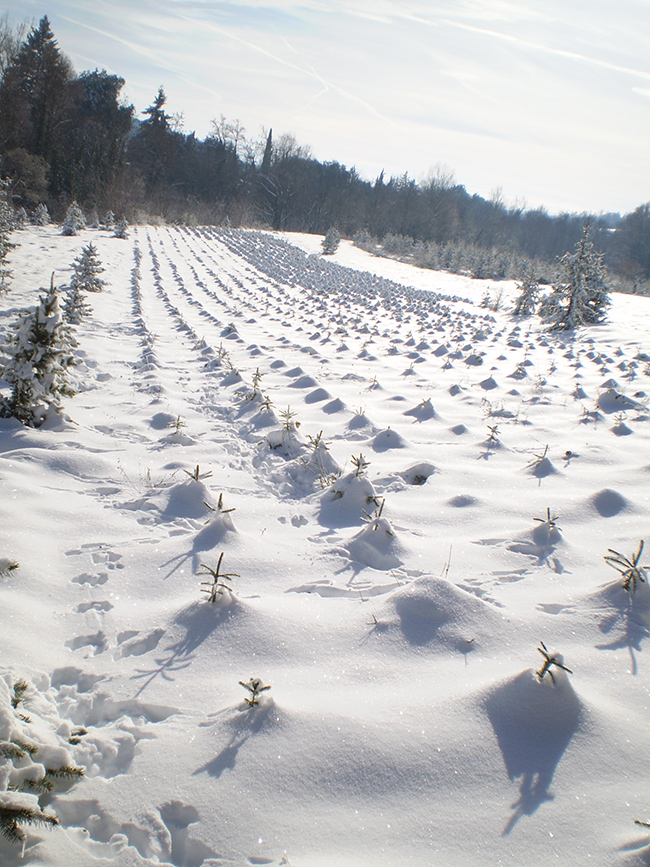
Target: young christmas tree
{"type": "Point", "coordinates": [528, 298]}
{"type": "Point", "coordinates": [74, 220]}
{"type": "Point", "coordinates": [39, 357]}
{"type": "Point", "coordinates": [87, 268]}
{"type": "Point", "coordinates": [121, 229]}
{"type": "Point", "coordinates": [581, 295]}
{"type": "Point", "coordinates": [6, 225]}
{"type": "Point", "coordinates": [330, 242]}
{"type": "Point", "coordinates": [41, 215]}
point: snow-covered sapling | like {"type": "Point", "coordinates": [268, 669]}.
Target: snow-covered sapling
{"type": "Point", "coordinates": [7, 566]}
{"type": "Point", "coordinates": [373, 519]}
{"type": "Point", "coordinates": [360, 466]}
{"type": "Point", "coordinates": [550, 519]}
{"type": "Point", "coordinates": [121, 230]}
{"type": "Point", "coordinates": [20, 688]}
{"type": "Point", "coordinates": [216, 585]}
{"type": "Point", "coordinates": [493, 434]}
{"type": "Point", "coordinates": [74, 220]}
{"type": "Point", "coordinates": [197, 475]}
{"type": "Point", "coordinates": [631, 570]}
{"type": "Point", "coordinates": [287, 418]}
{"type": "Point", "coordinates": [255, 686]}
{"type": "Point", "coordinates": [87, 268]}
{"type": "Point", "coordinates": [581, 295]}
{"type": "Point", "coordinates": [549, 663]}
{"type": "Point", "coordinates": [330, 242]}
{"type": "Point", "coordinates": [41, 215]}
{"type": "Point", "coordinates": [39, 356]}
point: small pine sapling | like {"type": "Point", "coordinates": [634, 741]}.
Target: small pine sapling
{"type": "Point", "coordinates": [40, 355]}
{"type": "Point", "coordinates": [196, 474]}
{"type": "Point", "coordinates": [255, 687]}
{"type": "Point", "coordinates": [7, 566]}
{"type": "Point", "coordinates": [549, 663]}
{"type": "Point", "coordinates": [20, 689]}
{"type": "Point", "coordinates": [87, 268]}
{"type": "Point", "coordinates": [121, 230]}
{"type": "Point", "coordinates": [360, 466]}
{"type": "Point", "coordinates": [373, 519]}
{"type": "Point", "coordinates": [330, 242]}
{"type": "Point", "coordinates": [216, 585]}
{"type": "Point", "coordinates": [74, 220]}
{"type": "Point", "coordinates": [550, 519]}
{"type": "Point", "coordinates": [631, 570]}
{"type": "Point", "coordinates": [493, 435]}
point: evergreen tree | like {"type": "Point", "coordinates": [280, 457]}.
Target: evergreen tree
{"type": "Point", "coordinates": [6, 225]}
{"type": "Point", "coordinates": [528, 298]}
{"type": "Point", "coordinates": [39, 357]}
{"type": "Point", "coordinates": [330, 242]}
{"type": "Point", "coordinates": [41, 215]}
{"type": "Point", "coordinates": [87, 268]}
{"type": "Point", "coordinates": [74, 220]}
{"type": "Point", "coordinates": [121, 230]}
{"type": "Point", "coordinates": [581, 295]}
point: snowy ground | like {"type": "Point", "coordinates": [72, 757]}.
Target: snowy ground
{"type": "Point", "coordinates": [404, 725]}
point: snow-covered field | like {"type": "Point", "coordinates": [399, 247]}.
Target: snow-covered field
{"type": "Point", "coordinates": [395, 610]}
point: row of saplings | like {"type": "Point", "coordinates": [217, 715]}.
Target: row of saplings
{"type": "Point", "coordinates": [39, 352]}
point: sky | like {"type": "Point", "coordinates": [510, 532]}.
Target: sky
{"type": "Point", "coordinates": [541, 102]}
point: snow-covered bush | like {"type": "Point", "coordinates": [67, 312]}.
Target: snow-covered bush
{"type": "Point", "coordinates": [581, 295]}
{"type": "Point", "coordinates": [109, 220]}
{"type": "Point", "coordinates": [87, 268]}
{"type": "Point", "coordinates": [528, 298]}
{"type": "Point", "coordinates": [41, 215]}
{"type": "Point", "coordinates": [330, 242]}
{"type": "Point", "coordinates": [6, 225]}
{"type": "Point", "coordinates": [39, 355]}
{"type": "Point", "coordinates": [74, 220]}
{"type": "Point", "coordinates": [121, 230]}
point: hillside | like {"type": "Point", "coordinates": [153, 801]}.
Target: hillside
{"type": "Point", "coordinates": [423, 490]}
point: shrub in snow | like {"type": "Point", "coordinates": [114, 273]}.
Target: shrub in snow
{"type": "Point", "coordinates": [217, 588]}
{"type": "Point", "coordinates": [87, 268]}
{"type": "Point", "coordinates": [255, 687]}
{"type": "Point", "coordinates": [20, 219]}
{"type": "Point", "coordinates": [74, 220]}
{"type": "Point", "coordinates": [109, 220]}
{"type": "Point", "coordinates": [6, 225]}
{"type": "Point", "coordinates": [364, 241]}
{"type": "Point", "coordinates": [121, 230]}
{"type": "Point", "coordinates": [7, 566]}
{"type": "Point", "coordinates": [41, 215]}
{"type": "Point", "coordinates": [528, 298]}
{"type": "Point", "coordinates": [581, 295]}
{"type": "Point", "coordinates": [551, 661]}
{"type": "Point", "coordinates": [630, 568]}
{"type": "Point", "coordinates": [330, 242]}
{"type": "Point", "coordinates": [39, 356]}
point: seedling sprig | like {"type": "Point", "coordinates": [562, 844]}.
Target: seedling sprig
{"type": "Point", "coordinates": [549, 662]}
{"type": "Point", "coordinates": [255, 687]}
{"type": "Point", "coordinates": [631, 571]}
{"type": "Point", "coordinates": [216, 586]}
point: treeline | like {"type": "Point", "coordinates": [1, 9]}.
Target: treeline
{"type": "Point", "coordinates": [67, 137]}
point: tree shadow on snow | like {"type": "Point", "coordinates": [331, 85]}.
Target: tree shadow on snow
{"type": "Point", "coordinates": [245, 724]}
{"type": "Point", "coordinates": [632, 613]}
{"type": "Point", "coordinates": [533, 723]}
{"type": "Point", "coordinates": [199, 621]}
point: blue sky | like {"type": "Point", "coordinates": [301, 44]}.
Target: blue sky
{"type": "Point", "coordinates": [547, 101]}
